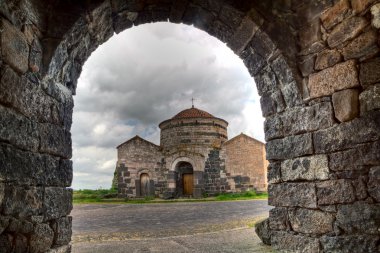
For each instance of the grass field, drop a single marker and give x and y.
(110, 196)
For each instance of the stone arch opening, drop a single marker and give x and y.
(44, 44)
(184, 178)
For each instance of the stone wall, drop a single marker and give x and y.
(193, 134)
(315, 64)
(324, 155)
(35, 139)
(214, 178)
(246, 163)
(135, 157)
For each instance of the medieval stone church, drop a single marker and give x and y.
(195, 158)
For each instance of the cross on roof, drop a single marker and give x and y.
(192, 102)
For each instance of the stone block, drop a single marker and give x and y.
(355, 159)
(123, 20)
(29, 99)
(19, 226)
(62, 230)
(57, 202)
(55, 140)
(369, 72)
(18, 130)
(283, 71)
(6, 243)
(197, 16)
(62, 249)
(4, 222)
(223, 32)
(278, 218)
(242, 35)
(341, 76)
(360, 187)
(2, 194)
(230, 15)
(307, 119)
(327, 58)
(305, 168)
(346, 104)
(360, 5)
(289, 242)
(208, 5)
(335, 192)
(266, 81)
(63, 176)
(263, 231)
(273, 127)
(336, 14)
(313, 49)
(10, 84)
(41, 239)
(374, 183)
(360, 217)
(272, 103)
(306, 64)
(311, 13)
(177, 10)
(375, 12)
(35, 56)
(274, 172)
(292, 195)
(346, 30)
(370, 99)
(289, 147)
(348, 134)
(292, 94)
(14, 47)
(311, 221)
(350, 243)
(310, 34)
(262, 44)
(31, 168)
(133, 5)
(362, 47)
(20, 243)
(100, 24)
(23, 201)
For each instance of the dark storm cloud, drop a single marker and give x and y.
(148, 74)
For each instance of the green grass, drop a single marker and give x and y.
(241, 196)
(94, 196)
(103, 196)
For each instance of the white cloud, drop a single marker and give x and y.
(148, 74)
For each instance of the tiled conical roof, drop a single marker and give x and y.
(193, 113)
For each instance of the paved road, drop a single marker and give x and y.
(172, 227)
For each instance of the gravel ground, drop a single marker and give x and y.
(173, 227)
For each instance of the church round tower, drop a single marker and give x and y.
(193, 130)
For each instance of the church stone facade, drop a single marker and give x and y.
(195, 158)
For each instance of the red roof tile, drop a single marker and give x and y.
(193, 113)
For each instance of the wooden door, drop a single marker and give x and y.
(144, 185)
(187, 184)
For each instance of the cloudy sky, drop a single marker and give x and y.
(148, 74)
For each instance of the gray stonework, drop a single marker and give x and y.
(198, 139)
(299, 52)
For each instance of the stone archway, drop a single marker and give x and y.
(315, 65)
(184, 178)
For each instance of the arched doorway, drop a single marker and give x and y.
(145, 185)
(184, 179)
(253, 29)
